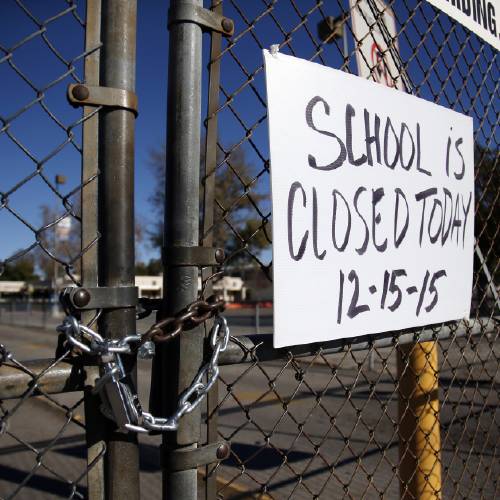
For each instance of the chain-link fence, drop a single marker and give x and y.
(42, 433)
(354, 418)
(341, 422)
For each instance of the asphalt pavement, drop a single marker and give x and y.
(323, 427)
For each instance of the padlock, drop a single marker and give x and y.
(120, 402)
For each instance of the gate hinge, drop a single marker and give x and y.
(193, 256)
(207, 19)
(102, 297)
(192, 458)
(88, 95)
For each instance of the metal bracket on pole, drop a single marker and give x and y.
(192, 458)
(102, 297)
(193, 256)
(207, 19)
(89, 95)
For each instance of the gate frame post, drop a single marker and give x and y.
(116, 221)
(176, 364)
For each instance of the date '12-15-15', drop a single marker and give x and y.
(392, 294)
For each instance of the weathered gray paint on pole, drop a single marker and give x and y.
(177, 364)
(95, 421)
(116, 222)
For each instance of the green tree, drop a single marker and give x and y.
(152, 268)
(240, 209)
(20, 269)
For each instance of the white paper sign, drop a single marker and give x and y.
(480, 16)
(373, 23)
(373, 205)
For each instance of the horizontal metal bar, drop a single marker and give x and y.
(63, 377)
(67, 377)
(247, 349)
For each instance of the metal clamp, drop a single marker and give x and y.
(102, 297)
(88, 95)
(207, 19)
(193, 256)
(192, 458)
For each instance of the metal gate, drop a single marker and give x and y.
(412, 413)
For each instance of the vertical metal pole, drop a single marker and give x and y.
(487, 274)
(371, 360)
(345, 45)
(116, 220)
(419, 430)
(177, 364)
(208, 220)
(55, 295)
(95, 422)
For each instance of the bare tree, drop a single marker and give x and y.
(58, 247)
(240, 224)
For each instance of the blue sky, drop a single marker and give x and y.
(36, 131)
(40, 135)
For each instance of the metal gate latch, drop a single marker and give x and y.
(192, 458)
(101, 297)
(119, 394)
(89, 95)
(193, 256)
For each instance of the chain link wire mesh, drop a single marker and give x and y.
(42, 436)
(327, 425)
(330, 425)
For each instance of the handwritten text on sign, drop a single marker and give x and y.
(373, 205)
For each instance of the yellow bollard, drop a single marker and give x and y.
(419, 431)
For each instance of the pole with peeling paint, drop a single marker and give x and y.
(419, 427)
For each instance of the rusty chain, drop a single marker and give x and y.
(120, 399)
(193, 315)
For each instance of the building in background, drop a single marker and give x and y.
(13, 289)
(150, 287)
(230, 288)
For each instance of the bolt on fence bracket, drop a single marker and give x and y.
(193, 256)
(102, 297)
(192, 458)
(207, 19)
(89, 95)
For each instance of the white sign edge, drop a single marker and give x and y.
(390, 93)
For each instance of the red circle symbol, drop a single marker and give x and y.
(380, 73)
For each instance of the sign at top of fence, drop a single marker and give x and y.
(479, 16)
(373, 205)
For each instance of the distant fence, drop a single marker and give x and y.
(41, 313)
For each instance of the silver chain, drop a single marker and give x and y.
(121, 403)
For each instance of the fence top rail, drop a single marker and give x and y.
(251, 348)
